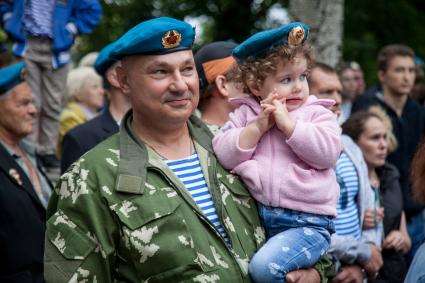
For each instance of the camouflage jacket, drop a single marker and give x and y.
(120, 215)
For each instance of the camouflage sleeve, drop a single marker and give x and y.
(79, 245)
(325, 269)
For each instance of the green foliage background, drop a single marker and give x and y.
(371, 24)
(368, 24)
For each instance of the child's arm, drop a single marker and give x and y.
(236, 141)
(251, 134)
(317, 142)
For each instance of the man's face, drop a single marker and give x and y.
(161, 87)
(399, 77)
(327, 86)
(17, 111)
(349, 84)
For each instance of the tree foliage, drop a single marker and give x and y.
(368, 25)
(226, 19)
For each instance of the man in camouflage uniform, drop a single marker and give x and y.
(120, 214)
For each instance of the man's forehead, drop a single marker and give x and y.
(19, 91)
(175, 58)
(401, 60)
(328, 83)
(22, 90)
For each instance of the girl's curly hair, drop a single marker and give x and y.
(255, 69)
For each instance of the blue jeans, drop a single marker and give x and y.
(295, 240)
(416, 230)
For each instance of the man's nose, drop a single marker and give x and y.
(178, 83)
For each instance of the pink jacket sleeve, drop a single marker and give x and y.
(226, 142)
(318, 141)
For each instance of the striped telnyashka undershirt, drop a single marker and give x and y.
(190, 173)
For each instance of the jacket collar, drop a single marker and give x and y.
(15, 173)
(134, 161)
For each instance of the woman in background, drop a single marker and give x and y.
(84, 96)
(372, 132)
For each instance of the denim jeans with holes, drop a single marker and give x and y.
(294, 240)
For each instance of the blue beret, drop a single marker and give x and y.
(156, 36)
(257, 45)
(103, 60)
(11, 76)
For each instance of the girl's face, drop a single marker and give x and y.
(373, 142)
(290, 80)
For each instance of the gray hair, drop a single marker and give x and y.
(77, 79)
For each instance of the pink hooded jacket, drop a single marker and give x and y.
(295, 172)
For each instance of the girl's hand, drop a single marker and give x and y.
(396, 240)
(371, 219)
(265, 120)
(281, 116)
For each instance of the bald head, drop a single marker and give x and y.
(324, 83)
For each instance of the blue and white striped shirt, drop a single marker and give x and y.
(347, 220)
(38, 17)
(190, 173)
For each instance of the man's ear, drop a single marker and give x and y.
(220, 83)
(112, 77)
(122, 79)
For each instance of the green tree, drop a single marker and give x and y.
(370, 25)
(226, 19)
(118, 16)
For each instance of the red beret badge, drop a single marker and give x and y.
(171, 39)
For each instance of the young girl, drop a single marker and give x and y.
(284, 144)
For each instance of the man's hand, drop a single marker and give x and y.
(310, 275)
(375, 262)
(349, 274)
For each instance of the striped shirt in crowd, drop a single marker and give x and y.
(38, 17)
(347, 220)
(190, 173)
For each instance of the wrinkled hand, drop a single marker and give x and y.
(375, 262)
(370, 219)
(349, 274)
(396, 240)
(303, 275)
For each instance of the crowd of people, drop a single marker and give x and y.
(248, 162)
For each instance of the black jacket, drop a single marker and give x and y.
(395, 268)
(84, 137)
(22, 225)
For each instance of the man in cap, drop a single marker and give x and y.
(215, 66)
(24, 189)
(152, 203)
(84, 137)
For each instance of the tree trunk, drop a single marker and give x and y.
(325, 18)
